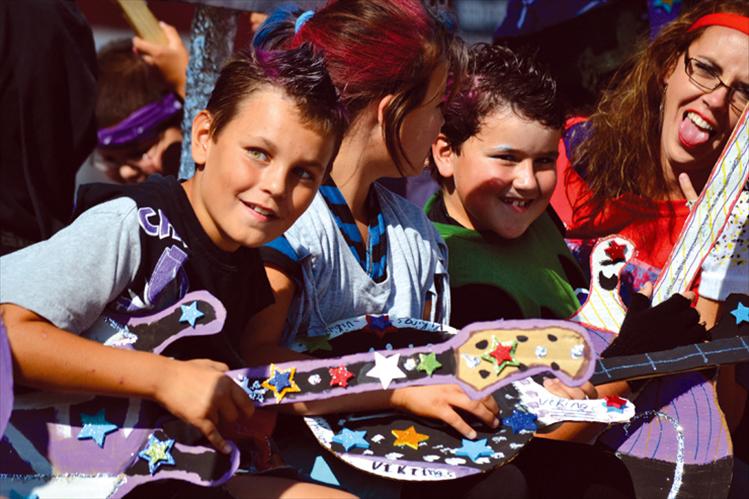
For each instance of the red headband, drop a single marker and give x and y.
(726, 19)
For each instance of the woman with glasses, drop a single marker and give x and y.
(629, 169)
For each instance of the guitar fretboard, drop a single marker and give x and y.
(680, 359)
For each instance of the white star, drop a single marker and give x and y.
(386, 369)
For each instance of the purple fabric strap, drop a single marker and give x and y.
(140, 122)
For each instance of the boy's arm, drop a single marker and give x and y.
(195, 391)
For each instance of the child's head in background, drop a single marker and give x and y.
(496, 154)
(138, 116)
(262, 145)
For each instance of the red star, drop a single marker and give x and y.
(502, 353)
(615, 251)
(339, 376)
(615, 401)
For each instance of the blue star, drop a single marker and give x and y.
(741, 312)
(280, 380)
(157, 453)
(348, 439)
(521, 421)
(474, 449)
(95, 427)
(190, 313)
(255, 391)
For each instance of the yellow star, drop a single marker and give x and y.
(281, 382)
(409, 437)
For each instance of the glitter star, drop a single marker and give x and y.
(315, 343)
(281, 382)
(408, 438)
(520, 421)
(349, 439)
(428, 363)
(741, 312)
(379, 325)
(474, 449)
(190, 313)
(613, 403)
(157, 453)
(386, 369)
(254, 391)
(501, 356)
(339, 376)
(616, 252)
(95, 427)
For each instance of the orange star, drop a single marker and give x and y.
(409, 437)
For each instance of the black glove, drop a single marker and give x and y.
(668, 325)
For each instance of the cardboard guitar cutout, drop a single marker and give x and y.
(79, 445)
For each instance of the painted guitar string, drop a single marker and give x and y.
(654, 363)
(679, 465)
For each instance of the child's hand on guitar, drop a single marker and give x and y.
(440, 402)
(170, 59)
(198, 392)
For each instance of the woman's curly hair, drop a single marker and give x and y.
(622, 149)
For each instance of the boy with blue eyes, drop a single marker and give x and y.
(262, 145)
(495, 160)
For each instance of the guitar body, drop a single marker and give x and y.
(49, 450)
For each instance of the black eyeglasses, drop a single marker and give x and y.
(707, 79)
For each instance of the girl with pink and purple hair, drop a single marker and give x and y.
(360, 249)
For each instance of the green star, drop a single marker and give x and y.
(428, 363)
(314, 343)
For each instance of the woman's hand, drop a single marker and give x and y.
(198, 392)
(170, 59)
(440, 402)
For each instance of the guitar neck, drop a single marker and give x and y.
(677, 360)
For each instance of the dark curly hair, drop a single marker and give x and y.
(497, 78)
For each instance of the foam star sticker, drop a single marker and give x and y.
(616, 252)
(95, 427)
(349, 439)
(613, 403)
(474, 449)
(501, 356)
(315, 343)
(409, 438)
(428, 363)
(281, 382)
(190, 313)
(340, 376)
(379, 325)
(386, 369)
(520, 421)
(741, 312)
(255, 391)
(157, 453)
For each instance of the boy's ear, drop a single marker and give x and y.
(443, 156)
(201, 137)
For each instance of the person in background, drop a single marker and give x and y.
(48, 92)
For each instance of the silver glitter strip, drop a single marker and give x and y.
(211, 43)
(679, 469)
